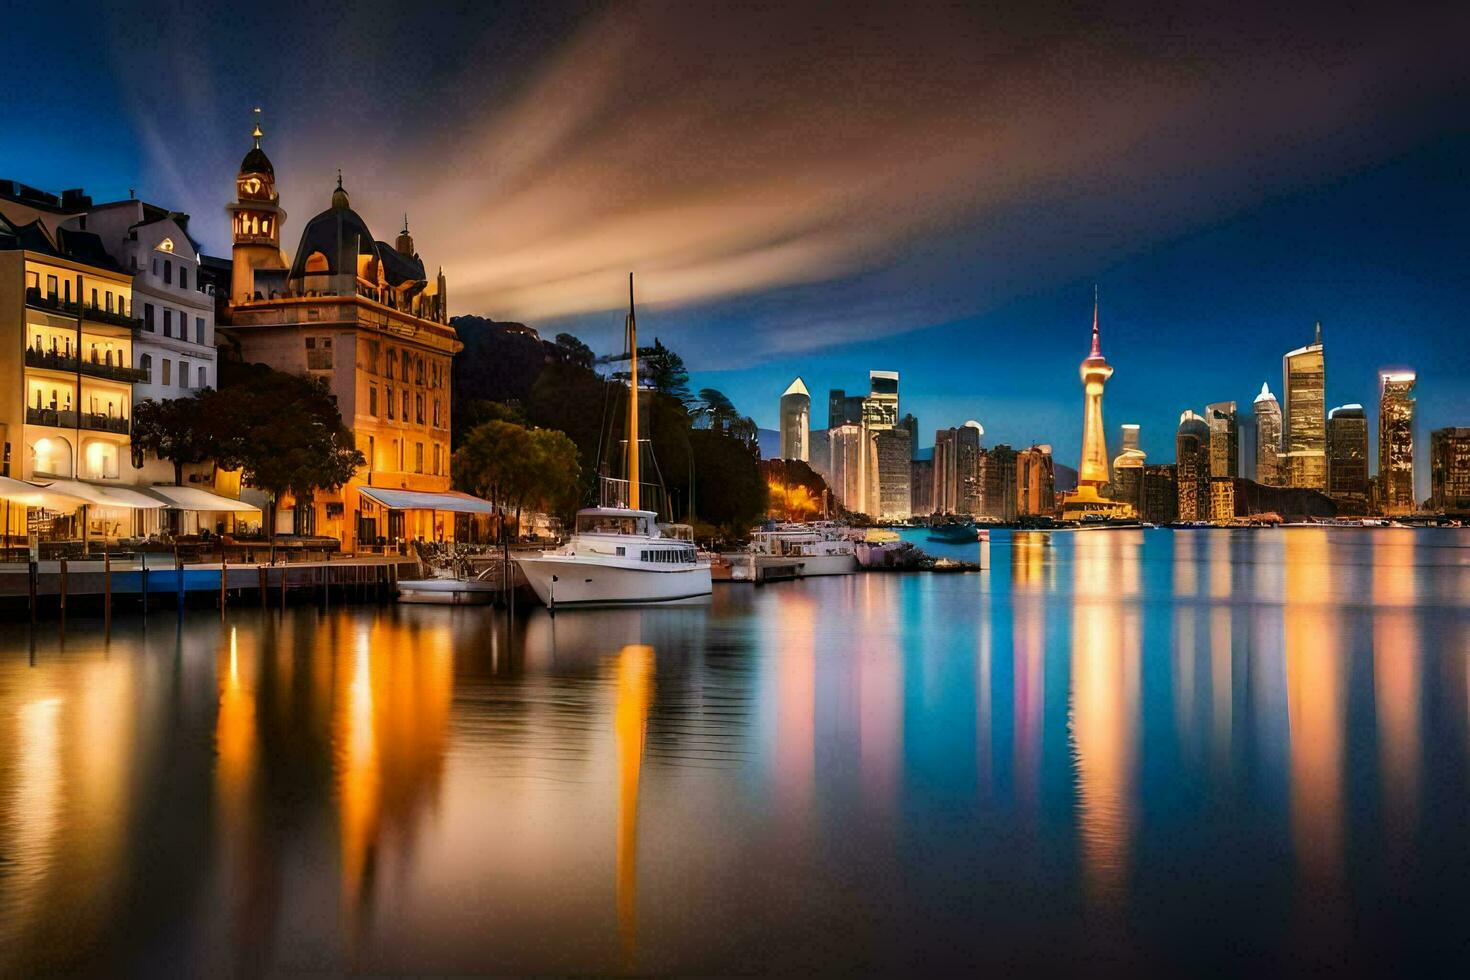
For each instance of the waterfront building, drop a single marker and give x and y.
(1035, 481)
(1092, 471)
(1304, 416)
(1222, 499)
(895, 455)
(1347, 458)
(1268, 437)
(1396, 442)
(1449, 471)
(1224, 439)
(1159, 494)
(364, 317)
(796, 411)
(921, 486)
(998, 483)
(957, 469)
(66, 375)
(1128, 469)
(849, 465)
(1192, 467)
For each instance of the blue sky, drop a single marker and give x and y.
(929, 189)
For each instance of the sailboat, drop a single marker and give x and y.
(620, 555)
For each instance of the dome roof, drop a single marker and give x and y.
(340, 235)
(256, 162)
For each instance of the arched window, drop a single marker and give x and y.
(145, 364)
(316, 262)
(51, 456)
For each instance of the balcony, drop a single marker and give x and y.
(68, 419)
(58, 361)
(54, 304)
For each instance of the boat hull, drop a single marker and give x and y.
(566, 580)
(817, 565)
(447, 592)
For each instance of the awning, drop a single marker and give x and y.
(194, 499)
(454, 501)
(30, 495)
(99, 495)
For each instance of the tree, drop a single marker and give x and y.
(285, 433)
(515, 467)
(665, 371)
(731, 492)
(177, 430)
(574, 352)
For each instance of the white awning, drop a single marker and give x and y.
(194, 499)
(99, 495)
(454, 501)
(30, 495)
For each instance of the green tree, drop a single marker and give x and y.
(665, 371)
(575, 352)
(285, 433)
(177, 430)
(515, 467)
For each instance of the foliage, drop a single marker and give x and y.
(713, 410)
(665, 371)
(575, 352)
(177, 430)
(472, 414)
(283, 431)
(516, 467)
(729, 489)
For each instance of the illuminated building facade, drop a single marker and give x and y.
(66, 339)
(1396, 442)
(849, 466)
(796, 414)
(1304, 416)
(1159, 494)
(1222, 499)
(895, 458)
(1347, 458)
(1449, 470)
(1128, 469)
(998, 483)
(1224, 439)
(1035, 481)
(1268, 437)
(1192, 467)
(363, 316)
(957, 469)
(921, 486)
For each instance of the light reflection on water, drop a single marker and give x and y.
(1206, 749)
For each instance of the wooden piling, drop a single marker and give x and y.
(106, 589)
(178, 581)
(223, 582)
(63, 593)
(263, 580)
(284, 569)
(33, 573)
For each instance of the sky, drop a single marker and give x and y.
(823, 189)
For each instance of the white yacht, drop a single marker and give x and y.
(619, 556)
(814, 549)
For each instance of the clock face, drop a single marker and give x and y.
(251, 186)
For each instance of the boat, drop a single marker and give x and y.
(479, 590)
(621, 556)
(802, 551)
(960, 532)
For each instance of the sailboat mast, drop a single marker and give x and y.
(632, 400)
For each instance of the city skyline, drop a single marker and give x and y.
(1333, 207)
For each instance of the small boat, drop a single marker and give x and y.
(810, 550)
(479, 590)
(962, 532)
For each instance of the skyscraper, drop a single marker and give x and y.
(796, 412)
(848, 466)
(1128, 469)
(997, 483)
(1159, 495)
(895, 454)
(956, 469)
(1224, 439)
(1347, 458)
(1192, 467)
(1092, 473)
(1396, 441)
(1268, 437)
(1304, 416)
(1035, 481)
(1449, 470)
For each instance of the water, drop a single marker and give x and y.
(1197, 751)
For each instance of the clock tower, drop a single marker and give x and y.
(255, 221)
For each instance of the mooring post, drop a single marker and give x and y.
(223, 582)
(106, 589)
(285, 567)
(261, 586)
(178, 581)
(143, 577)
(31, 576)
(63, 593)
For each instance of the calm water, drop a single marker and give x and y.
(1207, 750)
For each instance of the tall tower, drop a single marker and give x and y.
(1304, 416)
(1396, 441)
(796, 410)
(1268, 437)
(1095, 370)
(255, 220)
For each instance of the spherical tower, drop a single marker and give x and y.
(255, 220)
(1095, 371)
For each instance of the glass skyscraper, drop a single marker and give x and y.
(1347, 458)
(796, 413)
(1268, 437)
(1304, 416)
(1396, 441)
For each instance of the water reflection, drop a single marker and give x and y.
(1128, 748)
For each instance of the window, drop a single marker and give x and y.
(167, 373)
(391, 358)
(52, 285)
(437, 452)
(148, 317)
(168, 322)
(109, 299)
(418, 457)
(145, 364)
(33, 281)
(437, 423)
(155, 265)
(390, 401)
(66, 290)
(373, 400)
(95, 305)
(406, 416)
(199, 330)
(372, 453)
(183, 277)
(418, 409)
(168, 272)
(183, 374)
(203, 377)
(318, 353)
(419, 371)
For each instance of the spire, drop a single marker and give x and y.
(405, 222)
(257, 133)
(1265, 395)
(339, 196)
(1096, 343)
(1318, 341)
